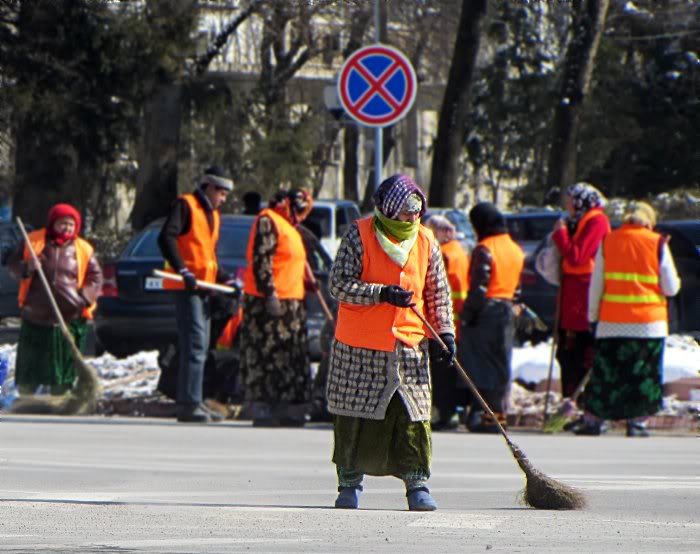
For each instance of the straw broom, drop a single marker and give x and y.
(83, 399)
(541, 492)
(556, 422)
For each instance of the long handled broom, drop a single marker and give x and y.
(552, 352)
(556, 422)
(83, 398)
(540, 491)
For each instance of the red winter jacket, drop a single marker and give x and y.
(574, 287)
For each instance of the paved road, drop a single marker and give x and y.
(127, 485)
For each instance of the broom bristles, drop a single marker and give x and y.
(555, 424)
(543, 492)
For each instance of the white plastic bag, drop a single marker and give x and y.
(548, 262)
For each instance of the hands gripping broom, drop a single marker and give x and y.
(540, 491)
(84, 398)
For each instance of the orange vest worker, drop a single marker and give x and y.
(508, 261)
(586, 268)
(377, 327)
(631, 290)
(457, 266)
(197, 246)
(288, 261)
(83, 251)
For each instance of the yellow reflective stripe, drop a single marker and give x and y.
(633, 298)
(456, 295)
(617, 276)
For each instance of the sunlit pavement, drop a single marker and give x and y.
(139, 485)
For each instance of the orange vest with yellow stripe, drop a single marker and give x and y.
(288, 260)
(379, 326)
(508, 260)
(586, 268)
(83, 252)
(631, 292)
(457, 266)
(197, 246)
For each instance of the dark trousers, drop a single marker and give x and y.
(575, 351)
(193, 328)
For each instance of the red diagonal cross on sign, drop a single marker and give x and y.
(376, 85)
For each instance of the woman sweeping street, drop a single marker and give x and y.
(379, 377)
(43, 356)
(274, 344)
(634, 273)
(577, 237)
(486, 338)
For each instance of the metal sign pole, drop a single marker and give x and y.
(378, 134)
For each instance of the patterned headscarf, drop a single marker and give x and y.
(294, 205)
(394, 192)
(585, 197)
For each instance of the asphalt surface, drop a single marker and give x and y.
(129, 485)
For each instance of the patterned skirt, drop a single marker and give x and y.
(626, 378)
(44, 357)
(275, 353)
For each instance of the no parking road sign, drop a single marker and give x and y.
(377, 85)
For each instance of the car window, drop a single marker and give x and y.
(539, 228)
(680, 246)
(341, 221)
(320, 218)
(233, 241)
(144, 245)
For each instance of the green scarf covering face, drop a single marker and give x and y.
(405, 232)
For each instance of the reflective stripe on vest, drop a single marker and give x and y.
(587, 267)
(457, 266)
(508, 260)
(288, 260)
(83, 253)
(631, 291)
(197, 246)
(379, 326)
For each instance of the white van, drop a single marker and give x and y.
(332, 218)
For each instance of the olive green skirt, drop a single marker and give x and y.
(394, 445)
(44, 357)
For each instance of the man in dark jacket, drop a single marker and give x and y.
(188, 243)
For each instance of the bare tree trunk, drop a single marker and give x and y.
(449, 143)
(587, 27)
(156, 182)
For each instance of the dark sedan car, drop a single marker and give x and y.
(529, 228)
(135, 313)
(684, 308)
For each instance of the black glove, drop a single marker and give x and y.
(448, 356)
(396, 296)
(188, 279)
(273, 306)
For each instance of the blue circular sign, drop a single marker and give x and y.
(377, 85)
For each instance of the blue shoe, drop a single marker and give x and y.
(348, 498)
(419, 500)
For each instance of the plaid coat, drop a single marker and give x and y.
(361, 382)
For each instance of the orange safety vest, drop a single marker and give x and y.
(379, 326)
(587, 267)
(197, 246)
(228, 334)
(288, 261)
(457, 262)
(508, 260)
(631, 290)
(83, 252)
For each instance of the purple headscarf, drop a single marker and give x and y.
(393, 192)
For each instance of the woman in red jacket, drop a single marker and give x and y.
(577, 237)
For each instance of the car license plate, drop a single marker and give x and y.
(153, 283)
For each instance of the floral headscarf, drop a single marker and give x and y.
(585, 197)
